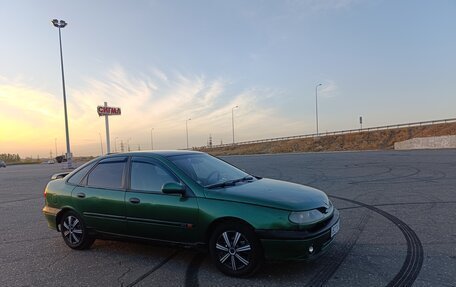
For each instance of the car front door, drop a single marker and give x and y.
(100, 197)
(154, 214)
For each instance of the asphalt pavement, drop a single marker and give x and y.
(398, 228)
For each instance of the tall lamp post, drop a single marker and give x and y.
(55, 142)
(232, 119)
(101, 144)
(152, 138)
(316, 104)
(115, 144)
(128, 144)
(186, 129)
(61, 24)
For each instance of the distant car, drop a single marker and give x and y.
(193, 199)
(2, 163)
(51, 161)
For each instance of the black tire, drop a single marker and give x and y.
(241, 260)
(74, 231)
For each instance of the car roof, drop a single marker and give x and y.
(164, 153)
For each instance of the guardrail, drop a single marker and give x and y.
(424, 123)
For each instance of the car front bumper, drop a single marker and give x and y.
(297, 245)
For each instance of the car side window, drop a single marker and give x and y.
(148, 176)
(79, 174)
(107, 174)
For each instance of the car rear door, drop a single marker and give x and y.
(153, 214)
(101, 196)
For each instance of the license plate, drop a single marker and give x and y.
(335, 229)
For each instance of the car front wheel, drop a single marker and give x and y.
(235, 250)
(74, 232)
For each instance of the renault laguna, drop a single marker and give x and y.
(193, 199)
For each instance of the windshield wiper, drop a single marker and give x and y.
(230, 182)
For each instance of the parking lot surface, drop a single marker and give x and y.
(398, 228)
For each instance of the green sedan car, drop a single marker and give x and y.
(194, 199)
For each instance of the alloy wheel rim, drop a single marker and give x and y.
(72, 230)
(233, 250)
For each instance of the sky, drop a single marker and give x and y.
(164, 62)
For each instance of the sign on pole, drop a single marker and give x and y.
(108, 111)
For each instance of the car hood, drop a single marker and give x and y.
(272, 193)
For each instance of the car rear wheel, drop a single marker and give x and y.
(74, 232)
(235, 250)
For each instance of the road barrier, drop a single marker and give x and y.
(342, 132)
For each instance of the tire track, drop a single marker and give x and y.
(333, 262)
(400, 204)
(19, 200)
(415, 255)
(382, 180)
(191, 274)
(155, 268)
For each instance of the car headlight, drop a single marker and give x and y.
(306, 217)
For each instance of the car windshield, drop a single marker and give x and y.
(209, 171)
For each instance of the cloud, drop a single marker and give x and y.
(158, 100)
(164, 102)
(29, 118)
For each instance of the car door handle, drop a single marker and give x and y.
(135, 200)
(81, 194)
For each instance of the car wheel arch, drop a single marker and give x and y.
(59, 215)
(228, 219)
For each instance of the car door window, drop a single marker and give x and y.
(148, 176)
(107, 174)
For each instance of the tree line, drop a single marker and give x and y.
(7, 157)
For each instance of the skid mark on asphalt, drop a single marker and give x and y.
(331, 264)
(191, 274)
(155, 268)
(390, 180)
(19, 200)
(415, 255)
(400, 204)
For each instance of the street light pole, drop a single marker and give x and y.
(232, 119)
(316, 104)
(128, 144)
(61, 24)
(151, 139)
(101, 144)
(55, 142)
(186, 129)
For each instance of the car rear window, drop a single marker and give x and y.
(79, 174)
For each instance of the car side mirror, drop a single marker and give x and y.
(173, 188)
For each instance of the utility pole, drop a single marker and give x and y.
(232, 119)
(316, 104)
(101, 143)
(152, 138)
(186, 129)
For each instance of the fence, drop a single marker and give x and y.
(342, 132)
